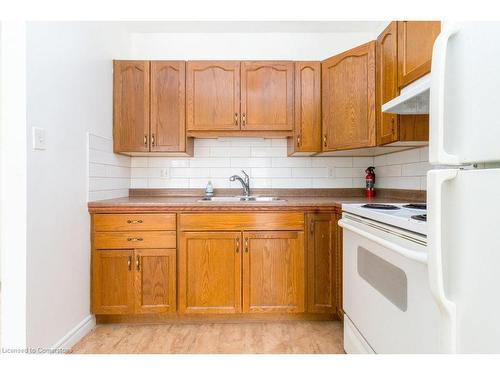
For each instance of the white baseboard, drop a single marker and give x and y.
(76, 334)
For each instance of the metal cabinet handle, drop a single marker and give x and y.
(237, 245)
(236, 118)
(134, 221)
(298, 140)
(145, 140)
(129, 263)
(324, 140)
(135, 239)
(243, 119)
(138, 263)
(152, 140)
(246, 245)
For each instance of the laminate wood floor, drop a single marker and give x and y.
(221, 338)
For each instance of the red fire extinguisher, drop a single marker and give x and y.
(370, 182)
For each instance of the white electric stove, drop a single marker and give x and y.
(409, 216)
(387, 300)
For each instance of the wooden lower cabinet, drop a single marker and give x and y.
(112, 282)
(273, 271)
(133, 281)
(324, 264)
(155, 286)
(210, 272)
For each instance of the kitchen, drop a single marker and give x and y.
(279, 187)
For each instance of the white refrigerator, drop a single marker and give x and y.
(463, 190)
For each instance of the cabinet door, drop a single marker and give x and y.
(348, 82)
(168, 100)
(112, 282)
(210, 272)
(267, 95)
(307, 129)
(130, 106)
(415, 42)
(155, 280)
(321, 262)
(387, 83)
(273, 271)
(213, 95)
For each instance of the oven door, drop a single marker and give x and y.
(385, 287)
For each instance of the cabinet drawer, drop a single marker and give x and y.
(126, 222)
(242, 221)
(135, 240)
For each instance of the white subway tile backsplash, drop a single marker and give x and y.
(250, 162)
(310, 172)
(108, 173)
(271, 172)
(265, 160)
(263, 152)
(323, 161)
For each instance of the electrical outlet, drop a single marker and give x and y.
(331, 172)
(164, 172)
(39, 141)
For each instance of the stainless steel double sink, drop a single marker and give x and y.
(242, 198)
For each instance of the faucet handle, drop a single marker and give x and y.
(247, 178)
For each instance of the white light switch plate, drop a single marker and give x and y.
(39, 141)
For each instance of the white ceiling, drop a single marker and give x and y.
(255, 26)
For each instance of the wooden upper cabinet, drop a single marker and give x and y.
(307, 125)
(273, 271)
(321, 267)
(348, 86)
(155, 282)
(213, 95)
(387, 83)
(130, 106)
(112, 282)
(168, 99)
(267, 95)
(415, 42)
(210, 272)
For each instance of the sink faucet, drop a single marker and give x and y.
(245, 182)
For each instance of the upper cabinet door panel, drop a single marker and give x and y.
(267, 95)
(168, 98)
(307, 132)
(387, 83)
(213, 95)
(131, 106)
(415, 42)
(348, 82)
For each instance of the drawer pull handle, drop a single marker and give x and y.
(237, 245)
(246, 245)
(129, 263)
(135, 239)
(138, 264)
(134, 221)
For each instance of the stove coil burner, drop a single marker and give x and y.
(420, 217)
(418, 206)
(379, 206)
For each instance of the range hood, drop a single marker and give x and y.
(413, 100)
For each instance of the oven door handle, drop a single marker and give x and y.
(410, 254)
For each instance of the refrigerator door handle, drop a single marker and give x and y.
(437, 151)
(436, 180)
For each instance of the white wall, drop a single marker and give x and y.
(69, 81)
(243, 46)
(13, 184)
